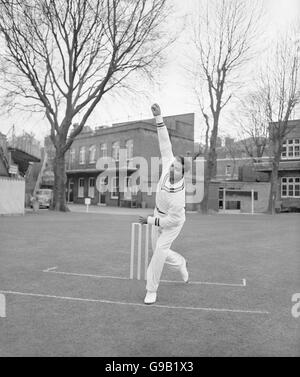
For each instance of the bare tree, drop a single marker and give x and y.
(253, 126)
(63, 56)
(224, 33)
(280, 92)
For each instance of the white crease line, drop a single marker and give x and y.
(50, 269)
(135, 304)
(86, 275)
(204, 283)
(162, 281)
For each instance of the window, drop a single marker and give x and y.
(128, 181)
(81, 188)
(91, 188)
(92, 151)
(82, 156)
(228, 171)
(129, 187)
(116, 150)
(297, 187)
(291, 149)
(114, 188)
(103, 150)
(72, 155)
(129, 149)
(290, 187)
(102, 186)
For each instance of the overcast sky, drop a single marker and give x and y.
(172, 89)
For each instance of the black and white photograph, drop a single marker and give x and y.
(149, 181)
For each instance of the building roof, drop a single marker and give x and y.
(22, 159)
(20, 155)
(283, 166)
(292, 123)
(146, 124)
(95, 170)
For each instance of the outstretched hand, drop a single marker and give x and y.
(156, 109)
(143, 220)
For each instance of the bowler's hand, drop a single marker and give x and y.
(155, 110)
(143, 220)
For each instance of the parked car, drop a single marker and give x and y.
(44, 197)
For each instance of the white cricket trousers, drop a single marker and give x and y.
(162, 239)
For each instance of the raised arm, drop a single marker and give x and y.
(163, 135)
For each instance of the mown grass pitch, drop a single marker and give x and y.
(109, 318)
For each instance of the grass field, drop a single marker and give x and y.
(108, 317)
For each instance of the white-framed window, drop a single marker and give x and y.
(114, 188)
(290, 187)
(116, 150)
(129, 150)
(81, 188)
(82, 156)
(91, 193)
(128, 182)
(92, 154)
(103, 150)
(127, 187)
(291, 149)
(130, 187)
(103, 185)
(72, 156)
(228, 170)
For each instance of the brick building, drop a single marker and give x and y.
(240, 179)
(244, 191)
(288, 193)
(138, 139)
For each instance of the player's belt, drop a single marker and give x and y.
(159, 211)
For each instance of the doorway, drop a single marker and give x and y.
(71, 191)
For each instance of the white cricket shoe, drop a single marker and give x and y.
(184, 272)
(150, 298)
